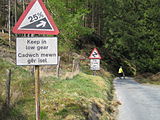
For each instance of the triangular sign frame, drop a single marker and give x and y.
(31, 27)
(98, 56)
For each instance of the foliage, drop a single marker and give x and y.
(3, 10)
(69, 19)
(123, 30)
(132, 32)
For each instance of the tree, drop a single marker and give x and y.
(68, 15)
(131, 30)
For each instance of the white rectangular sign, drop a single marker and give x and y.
(95, 64)
(36, 51)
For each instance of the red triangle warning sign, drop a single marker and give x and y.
(36, 20)
(95, 54)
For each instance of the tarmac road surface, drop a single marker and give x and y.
(139, 101)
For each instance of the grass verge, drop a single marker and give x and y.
(22, 90)
(149, 78)
(83, 97)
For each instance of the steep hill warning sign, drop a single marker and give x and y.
(36, 20)
(36, 51)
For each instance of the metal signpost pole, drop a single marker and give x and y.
(37, 92)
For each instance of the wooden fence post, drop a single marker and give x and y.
(58, 67)
(73, 65)
(8, 84)
(78, 65)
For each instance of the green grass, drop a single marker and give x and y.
(71, 98)
(82, 85)
(61, 99)
(22, 91)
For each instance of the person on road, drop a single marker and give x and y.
(121, 73)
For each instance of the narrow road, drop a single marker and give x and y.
(139, 102)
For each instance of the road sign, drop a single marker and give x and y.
(36, 20)
(95, 64)
(36, 51)
(95, 54)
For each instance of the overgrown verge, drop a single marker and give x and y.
(22, 92)
(149, 78)
(84, 97)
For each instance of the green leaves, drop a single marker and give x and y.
(69, 18)
(134, 28)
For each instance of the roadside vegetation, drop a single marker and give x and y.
(126, 33)
(72, 96)
(22, 90)
(148, 78)
(82, 97)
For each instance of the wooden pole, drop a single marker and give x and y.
(58, 67)
(37, 92)
(9, 22)
(8, 84)
(73, 65)
(77, 65)
(94, 73)
(15, 13)
(23, 5)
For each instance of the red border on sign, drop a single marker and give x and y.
(95, 49)
(51, 32)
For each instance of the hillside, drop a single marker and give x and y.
(126, 33)
(73, 96)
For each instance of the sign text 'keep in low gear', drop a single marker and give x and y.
(36, 51)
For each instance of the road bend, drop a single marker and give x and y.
(139, 101)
